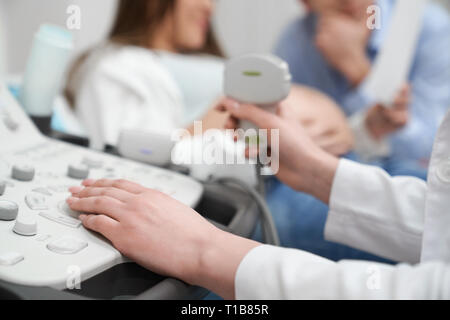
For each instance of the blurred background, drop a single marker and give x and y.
(261, 20)
(241, 25)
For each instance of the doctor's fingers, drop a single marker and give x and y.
(115, 193)
(119, 184)
(102, 224)
(102, 205)
(252, 113)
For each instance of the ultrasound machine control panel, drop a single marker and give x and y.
(41, 238)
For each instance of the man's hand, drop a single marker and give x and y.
(382, 121)
(304, 166)
(160, 233)
(342, 40)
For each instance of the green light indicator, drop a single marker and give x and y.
(252, 73)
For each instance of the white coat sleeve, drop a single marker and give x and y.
(268, 272)
(372, 211)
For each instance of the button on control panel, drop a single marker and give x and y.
(23, 173)
(2, 187)
(26, 226)
(67, 245)
(40, 236)
(92, 163)
(35, 201)
(64, 220)
(10, 258)
(43, 191)
(10, 123)
(80, 171)
(8, 210)
(65, 209)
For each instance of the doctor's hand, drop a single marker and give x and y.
(382, 121)
(303, 165)
(160, 233)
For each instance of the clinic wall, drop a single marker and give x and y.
(21, 18)
(2, 41)
(252, 25)
(242, 25)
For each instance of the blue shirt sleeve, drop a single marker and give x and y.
(430, 82)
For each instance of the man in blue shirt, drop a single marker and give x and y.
(332, 49)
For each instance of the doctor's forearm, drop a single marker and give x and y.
(318, 174)
(219, 261)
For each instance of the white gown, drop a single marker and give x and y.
(128, 87)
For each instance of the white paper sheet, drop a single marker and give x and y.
(392, 66)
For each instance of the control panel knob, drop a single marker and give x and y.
(23, 173)
(8, 210)
(10, 123)
(80, 171)
(2, 187)
(26, 226)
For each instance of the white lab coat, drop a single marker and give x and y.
(401, 218)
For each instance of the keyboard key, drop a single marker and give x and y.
(35, 202)
(64, 220)
(23, 173)
(65, 209)
(43, 191)
(10, 258)
(67, 245)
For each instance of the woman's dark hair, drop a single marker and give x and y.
(135, 24)
(138, 20)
